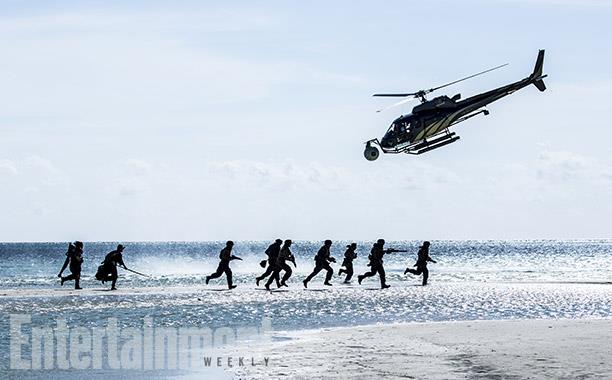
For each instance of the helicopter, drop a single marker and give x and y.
(427, 127)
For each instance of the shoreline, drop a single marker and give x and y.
(522, 348)
(67, 291)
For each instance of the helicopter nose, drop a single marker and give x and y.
(386, 141)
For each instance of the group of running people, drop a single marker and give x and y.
(279, 254)
(107, 271)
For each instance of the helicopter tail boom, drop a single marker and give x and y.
(537, 76)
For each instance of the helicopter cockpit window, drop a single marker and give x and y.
(400, 129)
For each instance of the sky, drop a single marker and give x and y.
(195, 120)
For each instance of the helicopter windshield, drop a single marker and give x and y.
(396, 134)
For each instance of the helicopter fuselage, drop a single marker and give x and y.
(434, 116)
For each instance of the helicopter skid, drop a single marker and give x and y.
(438, 140)
(440, 143)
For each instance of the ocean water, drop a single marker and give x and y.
(35, 265)
(472, 280)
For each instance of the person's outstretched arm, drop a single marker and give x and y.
(394, 250)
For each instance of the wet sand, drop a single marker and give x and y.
(519, 349)
(69, 291)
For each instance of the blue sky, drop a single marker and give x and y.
(246, 120)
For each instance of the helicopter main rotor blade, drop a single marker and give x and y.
(421, 94)
(397, 104)
(396, 95)
(468, 77)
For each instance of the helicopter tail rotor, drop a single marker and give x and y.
(537, 72)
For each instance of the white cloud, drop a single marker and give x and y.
(44, 169)
(289, 175)
(282, 176)
(129, 187)
(7, 167)
(563, 166)
(138, 167)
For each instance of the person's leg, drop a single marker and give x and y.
(315, 272)
(425, 275)
(288, 273)
(220, 270)
(70, 277)
(330, 273)
(268, 272)
(228, 273)
(416, 272)
(371, 273)
(277, 279)
(113, 277)
(275, 276)
(383, 278)
(349, 272)
(77, 281)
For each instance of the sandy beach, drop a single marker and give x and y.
(519, 349)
